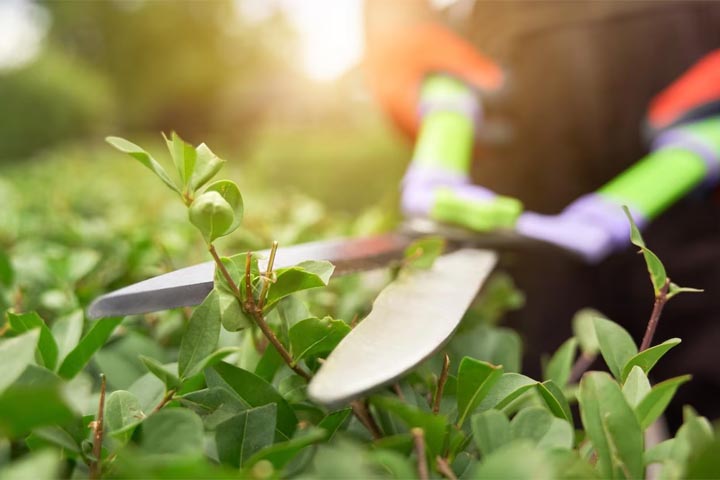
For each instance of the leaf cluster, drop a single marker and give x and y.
(219, 400)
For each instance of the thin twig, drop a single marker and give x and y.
(97, 427)
(255, 312)
(398, 391)
(583, 362)
(363, 414)
(660, 301)
(268, 272)
(169, 395)
(354, 321)
(226, 275)
(444, 468)
(18, 300)
(441, 384)
(419, 440)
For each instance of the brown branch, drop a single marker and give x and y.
(441, 384)
(660, 301)
(169, 395)
(398, 391)
(583, 362)
(226, 275)
(419, 440)
(256, 313)
(444, 468)
(362, 413)
(18, 300)
(97, 428)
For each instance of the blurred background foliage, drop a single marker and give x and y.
(136, 68)
(314, 158)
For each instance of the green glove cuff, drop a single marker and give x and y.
(479, 215)
(449, 111)
(686, 156)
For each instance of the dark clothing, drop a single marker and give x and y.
(581, 77)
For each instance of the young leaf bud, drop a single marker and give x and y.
(212, 215)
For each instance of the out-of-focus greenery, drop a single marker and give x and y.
(55, 98)
(198, 68)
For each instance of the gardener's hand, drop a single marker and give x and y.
(404, 45)
(593, 226)
(451, 197)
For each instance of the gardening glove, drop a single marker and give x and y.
(429, 79)
(684, 124)
(437, 183)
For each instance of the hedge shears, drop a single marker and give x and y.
(437, 193)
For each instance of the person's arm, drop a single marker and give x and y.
(428, 79)
(684, 122)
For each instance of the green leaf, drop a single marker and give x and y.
(636, 386)
(509, 387)
(658, 276)
(583, 325)
(422, 252)
(207, 165)
(165, 375)
(316, 336)
(555, 399)
(304, 275)
(212, 215)
(542, 428)
(215, 405)
(15, 355)
(24, 408)
(243, 435)
(559, 367)
(616, 345)
(211, 360)
(230, 192)
(475, 379)
(176, 431)
(280, 454)
(611, 426)
(67, 331)
(649, 357)
(149, 390)
(232, 317)
(7, 274)
(432, 425)
(90, 343)
(183, 155)
(656, 401)
(491, 430)
(48, 349)
(143, 157)
(705, 463)
(516, 460)
(691, 441)
(269, 364)
(254, 391)
(40, 465)
(334, 421)
(674, 289)
(122, 414)
(496, 345)
(201, 336)
(659, 453)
